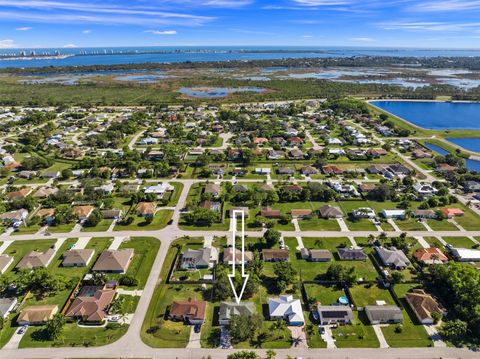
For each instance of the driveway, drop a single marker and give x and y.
(194, 341)
(14, 340)
(381, 338)
(299, 337)
(327, 336)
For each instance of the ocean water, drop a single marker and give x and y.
(435, 115)
(129, 55)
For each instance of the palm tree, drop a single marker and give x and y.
(434, 257)
(278, 326)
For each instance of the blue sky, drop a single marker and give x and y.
(368, 23)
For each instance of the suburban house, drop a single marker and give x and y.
(330, 212)
(393, 213)
(159, 190)
(36, 259)
(77, 257)
(383, 314)
(286, 308)
(286, 171)
(245, 211)
(452, 212)
(15, 218)
(270, 213)
(228, 256)
(430, 255)
(424, 213)
(91, 304)
(83, 212)
(21, 193)
(275, 255)
(301, 213)
(424, 305)
(114, 261)
(189, 311)
(472, 186)
(45, 192)
(114, 214)
(6, 306)
(308, 171)
(37, 314)
(5, 262)
(425, 190)
(392, 257)
(212, 189)
(228, 309)
(198, 258)
(146, 209)
(364, 213)
(46, 214)
(465, 254)
(351, 254)
(334, 314)
(320, 255)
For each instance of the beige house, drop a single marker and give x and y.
(114, 261)
(36, 259)
(37, 314)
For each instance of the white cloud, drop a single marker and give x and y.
(7, 44)
(70, 46)
(95, 12)
(448, 5)
(429, 26)
(227, 3)
(362, 39)
(25, 28)
(86, 31)
(166, 32)
(307, 36)
(322, 2)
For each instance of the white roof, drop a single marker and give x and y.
(286, 306)
(159, 188)
(466, 253)
(394, 212)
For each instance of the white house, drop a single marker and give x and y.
(425, 189)
(159, 189)
(263, 171)
(393, 213)
(286, 308)
(364, 213)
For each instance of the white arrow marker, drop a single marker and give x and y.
(231, 277)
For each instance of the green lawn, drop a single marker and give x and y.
(314, 270)
(357, 335)
(27, 230)
(326, 295)
(103, 226)
(159, 303)
(178, 189)
(441, 225)
(367, 294)
(145, 249)
(412, 336)
(19, 249)
(160, 221)
(460, 242)
(61, 228)
(319, 224)
(409, 224)
(73, 336)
